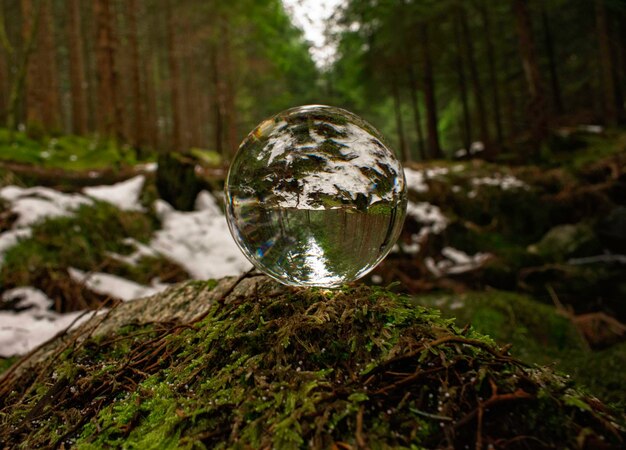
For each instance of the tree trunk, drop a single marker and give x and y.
(481, 113)
(537, 105)
(619, 51)
(606, 65)
(137, 133)
(417, 116)
(399, 125)
(46, 59)
(33, 85)
(622, 48)
(108, 120)
(172, 59)
(216, 99)
(554, 79)
(4, 79)
(434, 149)
(19, 66)
(229, 93)
(466, 135)
(77, 68)
(493, 73)
(150, 118)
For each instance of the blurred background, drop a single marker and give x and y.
(118, 119)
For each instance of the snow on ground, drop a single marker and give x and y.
(455, 262)
(118, 287)
(416, 179)
(35, 204)
(141, 250)
(33, 323)
(430, 216)
(199, 240)
(124, 195)
(147, 167)
(504, 182)
(38, 203)
(10, 238)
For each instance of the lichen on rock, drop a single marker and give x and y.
(249, 363)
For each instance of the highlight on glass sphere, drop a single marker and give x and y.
(315, 197)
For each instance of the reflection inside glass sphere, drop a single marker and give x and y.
(315, 197)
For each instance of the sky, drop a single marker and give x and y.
(311, 16)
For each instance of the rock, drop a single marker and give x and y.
(249, 363)
(176, 180)
(612, 230)
(564, 241)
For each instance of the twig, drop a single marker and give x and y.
(359, 428)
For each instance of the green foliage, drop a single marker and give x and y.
(64, 152)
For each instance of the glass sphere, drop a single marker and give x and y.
(315, 197)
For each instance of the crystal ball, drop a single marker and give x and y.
(315, 197)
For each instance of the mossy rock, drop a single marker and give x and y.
(248, 363)
(567, 240)
(538, 334)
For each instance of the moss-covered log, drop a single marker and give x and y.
(248, 363)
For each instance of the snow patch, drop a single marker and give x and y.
(430, 216)
(455, 262)
(10, 238)
(125, 195)
(504, 182)
(35, 204)
(199, 240)
(118, 287)
(147, 167)
(416, 179)
(141, 250)
(33, 324)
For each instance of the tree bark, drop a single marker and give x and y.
(554, 78)
(466, 135)
(479, 99)
(606, 65)
(77, 68)
(137, 132)
(537, 105)
(33, 93)
(172, 59)
(19, 65)
(150, 119)
(417, 116)
(398, 114)
(217, 102)
(229, 92)
(47, 61)
(493, 73)
(108, 118)
(4, 77)
(619, 51)
(434, 149)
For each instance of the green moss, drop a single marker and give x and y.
(5, 363)
(294, 369)
(64, 152)
(538, 334)
(592, 149)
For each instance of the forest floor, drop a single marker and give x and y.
(532, 255)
